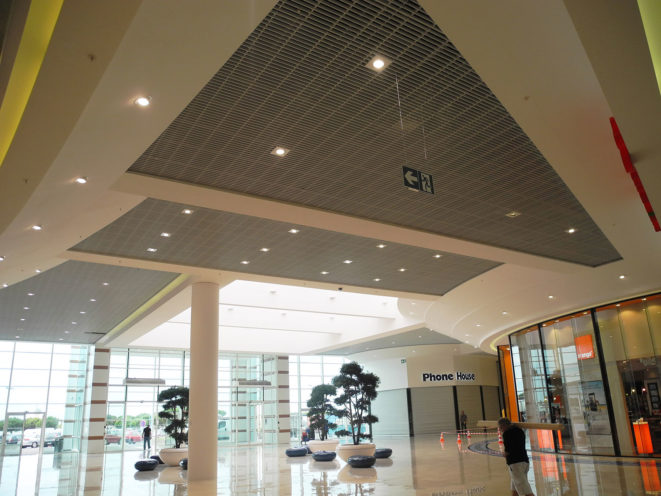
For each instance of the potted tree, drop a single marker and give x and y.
(358, 390)
(175, 412)
(320, 409)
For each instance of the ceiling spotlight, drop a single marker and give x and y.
(378, 63)
(381, 245)
(279, 151)
(37, 227)
(142, 101)
(376, 279)
(66, 332)
(165, 235)
(2, 259)
(264, 249)
(23, 319)
(37, 271)
(293, 231)
(585, 313)
(92, 299)
(18, 337)
(512, 214)
(81, 180)
(60, 339)
(26, 308)
(82, 312)
(187, 211)
(245, 262)
(4, 284)
(438, 255)
(348, 261)
(30, 294)
(74, 323)
(152, 250)
(324, 272)
(617, 304)
(571, 230)
(503, 313)
(551, 297)
(105, 283)
(622, 276)
(402, 269)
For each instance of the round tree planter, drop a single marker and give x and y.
(344, 451)
(172, 456)
(327, 445)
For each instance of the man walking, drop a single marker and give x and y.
(516, 457)
(146, 438)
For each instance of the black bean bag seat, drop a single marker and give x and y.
(300, 451)
(360, 461)
(383, 453)
(183, 463)
(157, 458)
(324, 456)
(144, 465)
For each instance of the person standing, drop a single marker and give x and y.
(463, 420)
(516, 457)
(146, 438)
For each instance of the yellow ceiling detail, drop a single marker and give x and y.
(36, 36)
(650, 12)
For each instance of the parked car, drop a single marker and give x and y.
(31, 438)
(133, 437)
(13, 437)
(112, 438)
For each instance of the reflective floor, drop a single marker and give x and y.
(418, 466)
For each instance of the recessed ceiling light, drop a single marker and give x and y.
(152, 250)
(551, 297)
(38, 271)
(617, 304)
(142, 101)
(245, 262)
(571, 230)
(503, 313)
(37, 227)
(2, 259)
(293, 231)
(187, 211)
(30, 294)
(60, 339)
(512, 214)
(378, 63)
(348, 261)
(105, 283)
(585, 313)
(18, 337)
(66, 332)
(622, 276)
(165, 235)
(26, 308)
(438, 255)
(23, 319)
(478, 325)
(92, 299)
(644, 299)
(420, 336)
(402, 269)
(324, 272)
(381, 245)
(81, 180)
(264, 249)
(82, 312)
(377, 279)
(4, 285)
(279, 151)
(75, 323)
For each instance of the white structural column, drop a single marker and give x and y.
(203, 420)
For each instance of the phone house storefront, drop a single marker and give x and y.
(597, 371)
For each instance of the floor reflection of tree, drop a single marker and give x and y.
(358, 490)
(322, 485)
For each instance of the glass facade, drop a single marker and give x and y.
(246, 413)
(597, 372)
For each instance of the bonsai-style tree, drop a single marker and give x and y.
(175, 410)
(358, 391)
(320, 408)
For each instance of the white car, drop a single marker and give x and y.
(31, 438)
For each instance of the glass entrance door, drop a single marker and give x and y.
(22, 436)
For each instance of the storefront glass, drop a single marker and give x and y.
(631, 339)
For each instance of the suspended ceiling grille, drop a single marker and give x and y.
(63, 292)
(221, 240)
(300, 81)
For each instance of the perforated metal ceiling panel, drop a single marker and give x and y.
(221, 240)
(417, 337)
(57, 303)
(300, 81)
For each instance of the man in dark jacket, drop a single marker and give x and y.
(516, 457)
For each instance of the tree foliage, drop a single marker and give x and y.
(358, 390)
(320, 408)
(175, 410)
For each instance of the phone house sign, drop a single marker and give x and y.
(452, 376)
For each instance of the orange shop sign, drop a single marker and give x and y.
(584, 348)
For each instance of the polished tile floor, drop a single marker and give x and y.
(419, 466)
